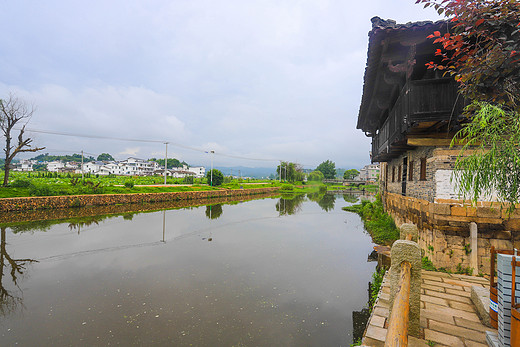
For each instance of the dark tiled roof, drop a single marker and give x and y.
(382, 30)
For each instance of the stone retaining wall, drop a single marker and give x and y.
(444, 234)
(8, 218)
(67, 201)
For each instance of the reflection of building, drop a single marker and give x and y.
(369, 172)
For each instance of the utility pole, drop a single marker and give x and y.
(211, 172)
(82, 172)
(165, 162)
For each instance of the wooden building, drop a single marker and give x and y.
(412, 113)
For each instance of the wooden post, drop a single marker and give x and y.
(515, 308)
(397, 334)
(408, 253)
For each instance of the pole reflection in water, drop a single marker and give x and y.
(163, 225)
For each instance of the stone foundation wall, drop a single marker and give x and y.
(67, 201)
(444, 234)
(7, 218)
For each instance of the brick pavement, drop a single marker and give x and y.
(448, 316)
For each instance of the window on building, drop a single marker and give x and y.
(399, 174)
(410, 171)
(423, 169)
(393, 173)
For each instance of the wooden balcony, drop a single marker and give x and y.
(424, 102)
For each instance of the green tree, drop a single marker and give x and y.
(328, 168)
(290, 171)
(217, 177)
(105, 157)
(172, 162)
(14, 112)
(350, 174)
(315, 176)
(74, 157)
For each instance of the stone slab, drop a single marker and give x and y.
(480, 298)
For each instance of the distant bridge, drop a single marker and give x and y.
(345, 182)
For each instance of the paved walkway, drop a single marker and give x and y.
(448, 317)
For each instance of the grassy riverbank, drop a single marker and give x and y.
(378, 223)
(59, 184)
(26, 184)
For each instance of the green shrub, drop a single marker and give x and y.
(287, 187)
(129, 184)
(322, 189)
(42, 190)
(188, 180)
(378, 223)
(20, 183)
(375, 285)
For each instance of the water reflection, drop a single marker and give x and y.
(214, 211)
(351, 198)
(327, 202)
(10, 299)
(290, 204)
(263, 281)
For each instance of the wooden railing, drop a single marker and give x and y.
(397, 334)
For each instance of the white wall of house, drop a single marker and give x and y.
(199, 171)
(55, 166)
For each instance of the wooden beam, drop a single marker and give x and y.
(441, 135)
(425, 141)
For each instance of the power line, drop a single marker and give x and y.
(151, 141)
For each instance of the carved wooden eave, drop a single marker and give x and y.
(393, 54)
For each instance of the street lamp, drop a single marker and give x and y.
(165, 162)
(211, 172)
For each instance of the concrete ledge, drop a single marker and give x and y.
(480, 298)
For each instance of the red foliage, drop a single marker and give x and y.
(482, 48)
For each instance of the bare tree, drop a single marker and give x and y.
(13, 112)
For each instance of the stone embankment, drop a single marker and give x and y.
(444, 232)
(68, 201)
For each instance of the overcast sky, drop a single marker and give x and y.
(277, 80)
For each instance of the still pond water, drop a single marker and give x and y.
(268, 272)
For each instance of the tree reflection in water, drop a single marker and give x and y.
(213, 211)
(290, 204)
(16, 268)
(325, 201)
(350, 198)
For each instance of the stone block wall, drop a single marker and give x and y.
(67, 201)
(444, 234)
(422, 189)
(7, 218)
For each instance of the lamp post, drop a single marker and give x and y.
(165, 162)
(211, 172)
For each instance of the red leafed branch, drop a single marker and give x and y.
(481, 49)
